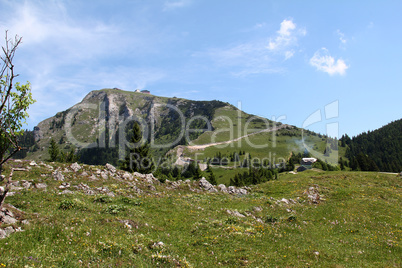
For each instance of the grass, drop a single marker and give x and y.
(357, 224)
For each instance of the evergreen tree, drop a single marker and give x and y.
(54, 151)
(211, 178)
(197, 171)
(139, 158)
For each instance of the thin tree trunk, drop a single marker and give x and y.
(6, 188)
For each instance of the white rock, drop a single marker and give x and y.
(111, 168)
(58, 176)
(75, 167)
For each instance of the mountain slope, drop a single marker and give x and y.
(97, 127)
(380, 149)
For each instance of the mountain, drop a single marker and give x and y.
(380, 149)
(182, 129)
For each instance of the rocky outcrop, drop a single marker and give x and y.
(206, 185)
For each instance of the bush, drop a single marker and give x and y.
(270, 219)
(131, 201)
(67, 204)
(114, 209)
(103, 199)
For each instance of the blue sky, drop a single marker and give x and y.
(280, 59)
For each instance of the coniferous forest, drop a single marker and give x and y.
(378, 150)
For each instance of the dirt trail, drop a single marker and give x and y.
(203, 146)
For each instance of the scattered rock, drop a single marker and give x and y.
(9, 230)
(151, 187)
(234, 190)
(284, 200)
(127, 176)
(159, 244)
(75, 167)
(313, 195)
(93, 178)
(222, 188)
(64, 185)
(138, 190)
(58, 176)
(32, 163)
(7, 216)
(40, 186)
(26, 184)
(104, 175)
(2, 234)
(241, 191)
(235, 213)
(15, 183)
(206, 185)
(67, 192)
(84, 174)
(47, 166)
(257, 209)
(111, 168)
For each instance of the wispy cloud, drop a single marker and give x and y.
(172, 5)
(256, 57)
(324, 62)
(286, 38)
(64, 57)
(342, 39)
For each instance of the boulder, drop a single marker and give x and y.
(205, 184)
(75, 167)
(313, 195)
(235, 213)
(58, 176)
(222, 188)
(232, 190)
(111, 168)
(41, 185)
(2, 234)
(9, 230)
(64, 185)
(104, 175)
(127, 176)
(26, 184)
(242, 191)
(67, 192)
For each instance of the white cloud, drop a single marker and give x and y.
(243, 59)
(341, 36)
(287, 37)
(255, 57)
(64, 57)
(326, 63)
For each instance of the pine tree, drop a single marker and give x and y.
(211, 178)
(197, 172)
(53, 151)
(138, 159)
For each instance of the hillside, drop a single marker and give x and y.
(380, 149)
(97, 127)
(82, 216)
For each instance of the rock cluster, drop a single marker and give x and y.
(206, 185)
(8, 217)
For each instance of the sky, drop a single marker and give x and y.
(330, 66)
